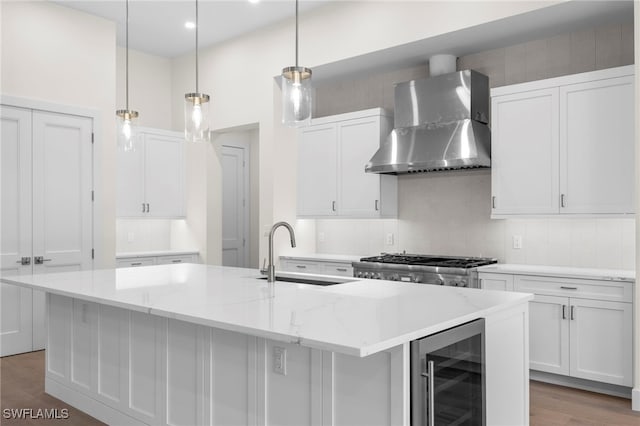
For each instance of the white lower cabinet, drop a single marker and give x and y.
(490, 281)
(581, 328)
(128, 261)
(320, 267)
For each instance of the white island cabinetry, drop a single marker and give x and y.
(323, 264)
(197, 344)
(126, 260)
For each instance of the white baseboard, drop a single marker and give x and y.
(635, 399)
(94, 408)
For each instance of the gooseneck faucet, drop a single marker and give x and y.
(271, 269)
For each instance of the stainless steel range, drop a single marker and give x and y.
(424, 269)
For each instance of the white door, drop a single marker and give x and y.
(15, 154)
(317, 170)
(234, 202)
(601, 341)
(164, 174)
(596, 146)
(549, 334)
(524, 153)
(359, 192)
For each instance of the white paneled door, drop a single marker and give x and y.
(234, 203)
(46, 212)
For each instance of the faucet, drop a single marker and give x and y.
(271, 269)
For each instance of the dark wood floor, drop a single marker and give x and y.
(22, 386)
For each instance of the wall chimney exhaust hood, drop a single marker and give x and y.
(440, 123)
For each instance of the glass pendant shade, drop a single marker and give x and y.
(196, 117)
(127, 129)
(296, 96)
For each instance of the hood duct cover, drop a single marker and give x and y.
(440, 124)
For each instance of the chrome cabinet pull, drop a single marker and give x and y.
(143, 210)
(568, 288)
(176, 261)
(493, 202)
(333, 206)
(24, 261)
(572, 312)
(562, 197)
(341, 269)
(564, 311)
(377, 205)
(301, 266)
(136, 264)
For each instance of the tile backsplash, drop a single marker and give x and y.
(448, 213)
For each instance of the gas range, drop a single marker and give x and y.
(423, 269)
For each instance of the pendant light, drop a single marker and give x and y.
(296, 91)
(196, 107)
(125, 118)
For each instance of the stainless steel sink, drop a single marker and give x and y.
(307, 280)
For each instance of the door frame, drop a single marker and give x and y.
(97, 213)
(247, 195)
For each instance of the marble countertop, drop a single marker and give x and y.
(561, 271)
(122, 255)
(324, 257)
(360, 317)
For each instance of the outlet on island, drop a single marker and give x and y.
(280, 360)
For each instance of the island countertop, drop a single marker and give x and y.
(359, 318)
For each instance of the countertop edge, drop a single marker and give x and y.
(560, 271)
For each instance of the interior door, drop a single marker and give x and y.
(15, 155)
(62, 201)
(233, 206)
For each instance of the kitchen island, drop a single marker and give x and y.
(197, 344)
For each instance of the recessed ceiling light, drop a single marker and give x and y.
(254, 1)
(189, 25)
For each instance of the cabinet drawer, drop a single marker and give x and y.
(299, 266)
(135, 261)
(620, 291)
(340, 269)
(164, 260)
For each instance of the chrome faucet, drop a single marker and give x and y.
(271, 269)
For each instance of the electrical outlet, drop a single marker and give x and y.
(389, 239)
(280, 360)
(517, 242)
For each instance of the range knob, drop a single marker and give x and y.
(394, 277)
(360, 274)
(439, 282)
(417, 279)
(463, 283)
(379, 276)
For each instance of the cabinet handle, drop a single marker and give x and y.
(333, 206)
(493, 202)
(143, 210)
(572, 312)
(432, 392)
(341, 269)
(176, 261)
(376, 205)
(301, 266)
(564, 311)
(147, 207)
(136, 264)
(568, 288)
(562, 197)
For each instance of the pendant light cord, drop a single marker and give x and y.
(127, 59)
(296, 33)
(197, 25)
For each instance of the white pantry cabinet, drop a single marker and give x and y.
(332, 153)
(47, 219)
(151, 178)
(564, 145)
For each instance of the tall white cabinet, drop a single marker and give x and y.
(151, 177)
(332, 153)
(47, 192)
(564, 145)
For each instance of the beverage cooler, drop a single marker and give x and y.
(448, 377)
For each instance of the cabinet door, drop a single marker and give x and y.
(601, 341)
(502, 282)
(317, 170)
(524, 153)
(15, 302)
(164, 174)
(597, 146)
(130, 181)
(358, 192)
(549, 334)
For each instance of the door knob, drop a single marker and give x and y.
(39, 260)
(24, 261)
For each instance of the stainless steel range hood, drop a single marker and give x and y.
(440, 124)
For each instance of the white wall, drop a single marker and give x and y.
(239, 77)
(59, 55)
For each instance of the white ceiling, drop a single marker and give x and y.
(157, 26)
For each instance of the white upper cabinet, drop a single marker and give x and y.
(151, 178)
(564, 145)
(332, 153)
